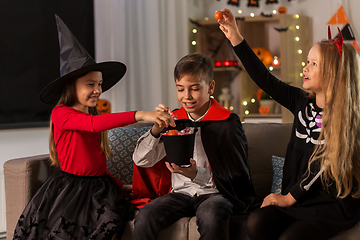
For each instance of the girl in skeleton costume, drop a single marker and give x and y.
(320, 185)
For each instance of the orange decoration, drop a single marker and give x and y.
(103, 106)
(172, 133)
(282, 10)
(339, 17)
(264, 110)
(218, 15)
(264, 55)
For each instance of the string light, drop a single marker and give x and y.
(274, 11)
(253, 100)
(245, 103)
(296, 16)
(301, 74)
(303, 64)
(193, 43)
(247, 112)
(271, 68)
(194, 30)
(252, 14)
(297, 27)
(297, 39)
(299, 51)
(206, 18)
(239, 11)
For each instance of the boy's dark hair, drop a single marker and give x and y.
(195, 64)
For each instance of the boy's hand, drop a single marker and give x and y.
(229, 28)
(189, 172)
(279, 200)
(156, 129)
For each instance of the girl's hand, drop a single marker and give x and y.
(156, 129)
(162, 119)
(189, 172)
(229, 28)
(127, 190)
(279, 200)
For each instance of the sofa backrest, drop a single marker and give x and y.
(264, 141)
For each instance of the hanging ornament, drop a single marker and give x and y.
(234, 2)
(253, 3)
(282, 10)
(271, 1)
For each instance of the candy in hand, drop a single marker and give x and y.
(218, 15)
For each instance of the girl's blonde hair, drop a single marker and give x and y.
(340, 154)
(68, 98)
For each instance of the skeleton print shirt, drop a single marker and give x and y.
(306, 125)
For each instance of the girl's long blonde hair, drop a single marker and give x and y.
(340, 128)
(68, 98)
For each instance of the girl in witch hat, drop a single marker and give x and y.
(320, 194)
(83, 200)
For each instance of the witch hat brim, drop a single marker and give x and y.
(75, 62)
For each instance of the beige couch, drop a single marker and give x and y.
(24, 176)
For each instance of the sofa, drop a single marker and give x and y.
(267, 144)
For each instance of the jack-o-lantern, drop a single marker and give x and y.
(103, 106)
(264, 55)
(282, 10)
(264, 110)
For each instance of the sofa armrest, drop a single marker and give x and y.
(23, 177)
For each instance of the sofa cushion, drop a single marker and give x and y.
(265, 140)
(278, 165)
(122, 143)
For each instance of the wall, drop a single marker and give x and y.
(319, 11)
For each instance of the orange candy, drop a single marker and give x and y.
(218, 15)
(172, 133)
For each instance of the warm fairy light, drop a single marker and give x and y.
(297, 27)
(274, 11)
(253, 100)
(303, 64)
(247, 112)
(194, 30)
(252, 14)
(193, 43)
(239, 11)
(231, 108)
(206, 18)
(297, 16)
(301, 75)
(271, 68)
(276, 61)
(297, 39)
(244, 103)
(300, 51)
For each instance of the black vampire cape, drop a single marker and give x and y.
(226, 148)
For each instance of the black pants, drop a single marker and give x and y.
(212, 212)
(272, 223)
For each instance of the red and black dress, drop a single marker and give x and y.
(83, 200)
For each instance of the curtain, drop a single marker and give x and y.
(149, 37)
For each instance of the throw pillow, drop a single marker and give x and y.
(122, 143)
(278, 164)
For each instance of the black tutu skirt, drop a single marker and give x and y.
(68, 206)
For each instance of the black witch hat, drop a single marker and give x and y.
(76, 62)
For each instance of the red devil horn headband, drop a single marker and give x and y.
(338, 42)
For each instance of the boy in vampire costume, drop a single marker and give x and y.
(217, 182)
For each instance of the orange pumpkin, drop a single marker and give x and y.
(282, 10)
(172, 133)
(103, 106)
(264, 55)
(264, 110)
